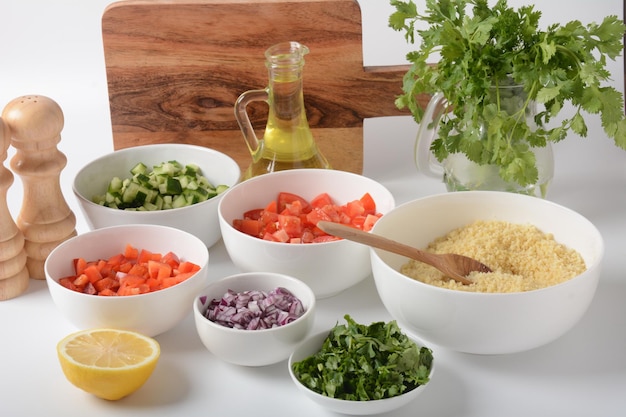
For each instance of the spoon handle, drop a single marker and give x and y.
(369, 239)
(380, 242)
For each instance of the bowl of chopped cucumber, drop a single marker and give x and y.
(176, 185)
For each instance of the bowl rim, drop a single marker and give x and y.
(233, 165)
(73, 239)
(514, 196)
(197, 304)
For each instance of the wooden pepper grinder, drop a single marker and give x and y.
(13, 272)
(45, 218)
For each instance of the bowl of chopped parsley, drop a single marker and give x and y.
(361, 369)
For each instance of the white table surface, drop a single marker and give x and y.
(54, 49)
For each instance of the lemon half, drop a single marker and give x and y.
(108, 363)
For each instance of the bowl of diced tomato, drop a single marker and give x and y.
(134, 277)
(268, 223)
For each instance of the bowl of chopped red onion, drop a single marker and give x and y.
(254, 318)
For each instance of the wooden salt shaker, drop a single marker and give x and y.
(45, 218)
(13, 271)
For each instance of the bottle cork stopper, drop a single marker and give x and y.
(13, 271)
(45, 219)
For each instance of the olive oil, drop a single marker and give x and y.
(287, 142)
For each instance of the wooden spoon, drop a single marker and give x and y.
(454, 266)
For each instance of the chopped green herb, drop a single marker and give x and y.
(360, 363)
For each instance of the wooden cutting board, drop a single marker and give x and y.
(175, 69)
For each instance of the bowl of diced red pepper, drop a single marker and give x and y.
(134, 277)
(269, 223)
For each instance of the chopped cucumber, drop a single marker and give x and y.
(169, 185)
(221, 188)
(140, 168)
(115, 186)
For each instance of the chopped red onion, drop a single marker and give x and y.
(254, 310)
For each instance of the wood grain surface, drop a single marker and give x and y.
(175, 69)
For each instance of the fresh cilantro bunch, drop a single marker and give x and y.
(482, 47)
(365, 362)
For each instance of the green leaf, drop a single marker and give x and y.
(547, 93)
(578, 125)
(481, 44)
(620, 134)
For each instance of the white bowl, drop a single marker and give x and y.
(199, 219)
(328, 268)
(312, 345)
(151, 313)
(253, 347)
(484, 323)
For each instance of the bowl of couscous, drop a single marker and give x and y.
(545, 261)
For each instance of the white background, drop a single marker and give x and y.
(54, 48)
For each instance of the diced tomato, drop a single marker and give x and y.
(159, 270)
(370, 219)
(307, 236)
(296, 208)
(131, 252)
(290, 218)
(248, 226)
(268, 217)
(253, 214)
(142, 272)
(322, 200)
(106, 283)
(171, 259)
(79, 265)
(316, 215)
(117, 260)
(369, 205)
(354, 208)
(285, 198)
(272, 207)
(92, 272)
(281, 235)
(187, 267)
(81, 280)
(138, 269)
(290, 224)
(125, 266)
(146, 255)
(333, 213)
(133, 284)
(68, 282)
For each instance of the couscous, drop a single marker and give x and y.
(522, 258)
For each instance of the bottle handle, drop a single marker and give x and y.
(241, 114)
(424, 158)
